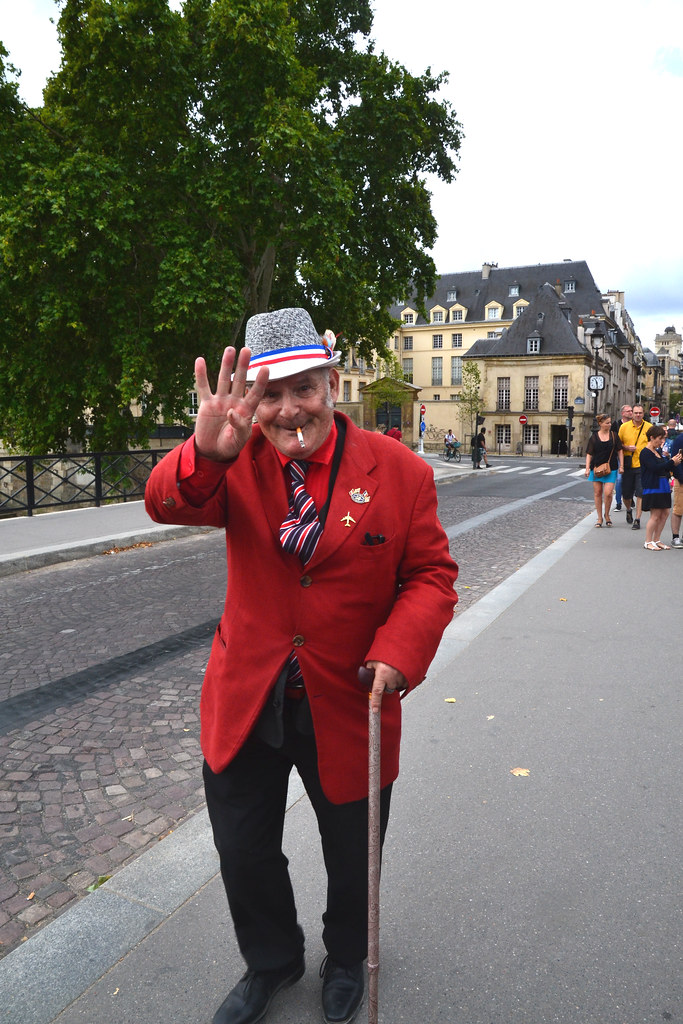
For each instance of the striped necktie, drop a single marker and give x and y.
(299, 534)
(301, 530)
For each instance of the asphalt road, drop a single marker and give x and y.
(102, 667)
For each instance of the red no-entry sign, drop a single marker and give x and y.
(522, 419)
(654, 410)
(423, 410)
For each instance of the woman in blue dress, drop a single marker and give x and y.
(603, 448)
(655, 471)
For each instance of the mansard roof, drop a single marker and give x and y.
(544, 317)
(477, 288)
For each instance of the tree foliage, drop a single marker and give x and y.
(470, 395)
(187, 170)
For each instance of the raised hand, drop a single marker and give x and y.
(223, 424)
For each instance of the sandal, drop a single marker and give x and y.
(608, 521)
(598, 524)
(662, 547)
(650, 545)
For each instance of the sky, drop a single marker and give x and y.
(573, 122)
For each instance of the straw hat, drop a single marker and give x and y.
(287, 343)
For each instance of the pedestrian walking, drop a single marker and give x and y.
(633, 436)
(604, 460)
(626, 417)
(336, 561)
(656, 469)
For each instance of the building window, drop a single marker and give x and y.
(456, 369)
(437, 316)
(531, 392)
(457, 314)
(493, 334)
(560, 392)
(513, 291)
(503, 392)
(436, 398)
(530, 434)
(570, 286)
(408, 318)
(408, 342)
(396, 341)
(193, 403)
(503, 434)
(493, 313)
(519, 310)
(533, 345)
(361, 364)
(456, 340)
(347, 390)
(437, 340)
(408, 370)
(437, 371)
(452, 295)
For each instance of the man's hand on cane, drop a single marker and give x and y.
(387, 680)
(223, 424)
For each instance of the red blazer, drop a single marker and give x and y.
(352, 603)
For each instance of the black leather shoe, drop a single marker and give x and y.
(252, 995)
(342, 991)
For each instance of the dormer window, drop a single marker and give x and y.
(437, 316)
(513, 291)
(493, 313)
(533, 344)
(456, 314)
(570, 285)
(452, 295)
(408, 318)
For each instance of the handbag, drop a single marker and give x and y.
(604, 469)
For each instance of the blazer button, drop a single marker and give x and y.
(298, 640)
(169, 502)
(305, 581)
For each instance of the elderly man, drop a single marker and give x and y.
(633, 436)
(336, 560)
(626, 417)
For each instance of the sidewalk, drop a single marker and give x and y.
(505, 898)
(31, 542)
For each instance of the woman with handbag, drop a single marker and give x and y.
(655, 470)
(604, 458)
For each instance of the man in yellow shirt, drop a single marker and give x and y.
(633, 436)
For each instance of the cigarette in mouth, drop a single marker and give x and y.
(301, 437)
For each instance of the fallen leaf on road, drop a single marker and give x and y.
(563, 599)
(520, 771)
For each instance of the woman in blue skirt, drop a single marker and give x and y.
(604, 448)
(655, 471)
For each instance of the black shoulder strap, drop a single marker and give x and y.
(336, 459)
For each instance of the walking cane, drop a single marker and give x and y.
(365, 677)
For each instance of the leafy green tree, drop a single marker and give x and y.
(187, 170)
(470, 397)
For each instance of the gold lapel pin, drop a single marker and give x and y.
(347, 520)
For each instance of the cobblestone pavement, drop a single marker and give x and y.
(102, 664)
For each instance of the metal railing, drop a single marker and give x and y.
(31, 483)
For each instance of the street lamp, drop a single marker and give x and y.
(596, 383)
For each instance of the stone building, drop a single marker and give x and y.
(492, 315)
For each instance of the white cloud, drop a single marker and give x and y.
(571, 114)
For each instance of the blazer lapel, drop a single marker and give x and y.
(345, 515)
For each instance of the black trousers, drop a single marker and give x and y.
(246, 805)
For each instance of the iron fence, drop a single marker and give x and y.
(31, 483)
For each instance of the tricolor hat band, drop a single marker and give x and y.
(287, 355)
